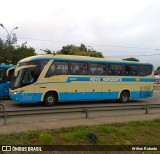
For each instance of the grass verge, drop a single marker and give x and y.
(132, 133)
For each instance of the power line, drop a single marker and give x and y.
(134, 55)
(108, 45)
(156, 49)
(90, 44)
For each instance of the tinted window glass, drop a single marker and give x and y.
(93, 69)
(28, 77)
(58, 68)
(96, 69)
(144, 70)
(40, 63)
(78, 68)
(2, 75)
(114, 69)
(130, 70)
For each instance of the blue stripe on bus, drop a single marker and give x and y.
(68, 96)
(146, 80)
(6, 66)
(26, 97)
(95, 61)
(100, 79)
(78, 96)
(109, 79)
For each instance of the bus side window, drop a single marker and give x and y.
(114, 69)
(133, 73)
(109, 69)
(130, 70)
(58, 68)
(74, 68)
(1, 75)
(144, 70)
(126, 73)
(83, 68)
(51, 71)
(118, 72)
(109, 72)
(101, 69)
(93, 69)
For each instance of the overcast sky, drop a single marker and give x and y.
(117, 28)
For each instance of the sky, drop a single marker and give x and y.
(117, 28)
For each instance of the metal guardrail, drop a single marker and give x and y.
(75, 109)
(2, 109)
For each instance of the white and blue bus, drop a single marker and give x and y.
(60, 78)
(4, 79)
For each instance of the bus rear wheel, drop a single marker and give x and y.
(50, 99)
(124, 97)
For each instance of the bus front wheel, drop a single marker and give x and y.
(124, 97)
(50, 99)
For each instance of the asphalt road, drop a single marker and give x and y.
(12, 106)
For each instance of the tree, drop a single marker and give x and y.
(158, 68)
(47, 51)
(10, 54)
(5, 51)
(22, 52)
(131, 59)
(79, 50)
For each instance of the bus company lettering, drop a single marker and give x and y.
(106, 79)
(112, 79)
(95, 79)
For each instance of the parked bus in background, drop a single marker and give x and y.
(4, 79)
(156, 81)
(60, 78)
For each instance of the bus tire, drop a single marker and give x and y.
(124, 97)
(50, 99)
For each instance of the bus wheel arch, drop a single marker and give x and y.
(124, 96)
(50, 98)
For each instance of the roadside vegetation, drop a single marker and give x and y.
(132, 133)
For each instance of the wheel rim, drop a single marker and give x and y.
(124, 98)
(50, 99)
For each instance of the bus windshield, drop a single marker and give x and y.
(28, 76)
(25, 77)
(2, 75)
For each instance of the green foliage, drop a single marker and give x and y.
(22, 52)
(79, 50)
(5, 52)
(158, 68)
(131, 59)
(46, 138)
(131, 133)
(11, 54)
(47, 51)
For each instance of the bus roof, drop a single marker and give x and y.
(6, 65)
(76, 58)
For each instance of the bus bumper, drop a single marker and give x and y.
(25, 97)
